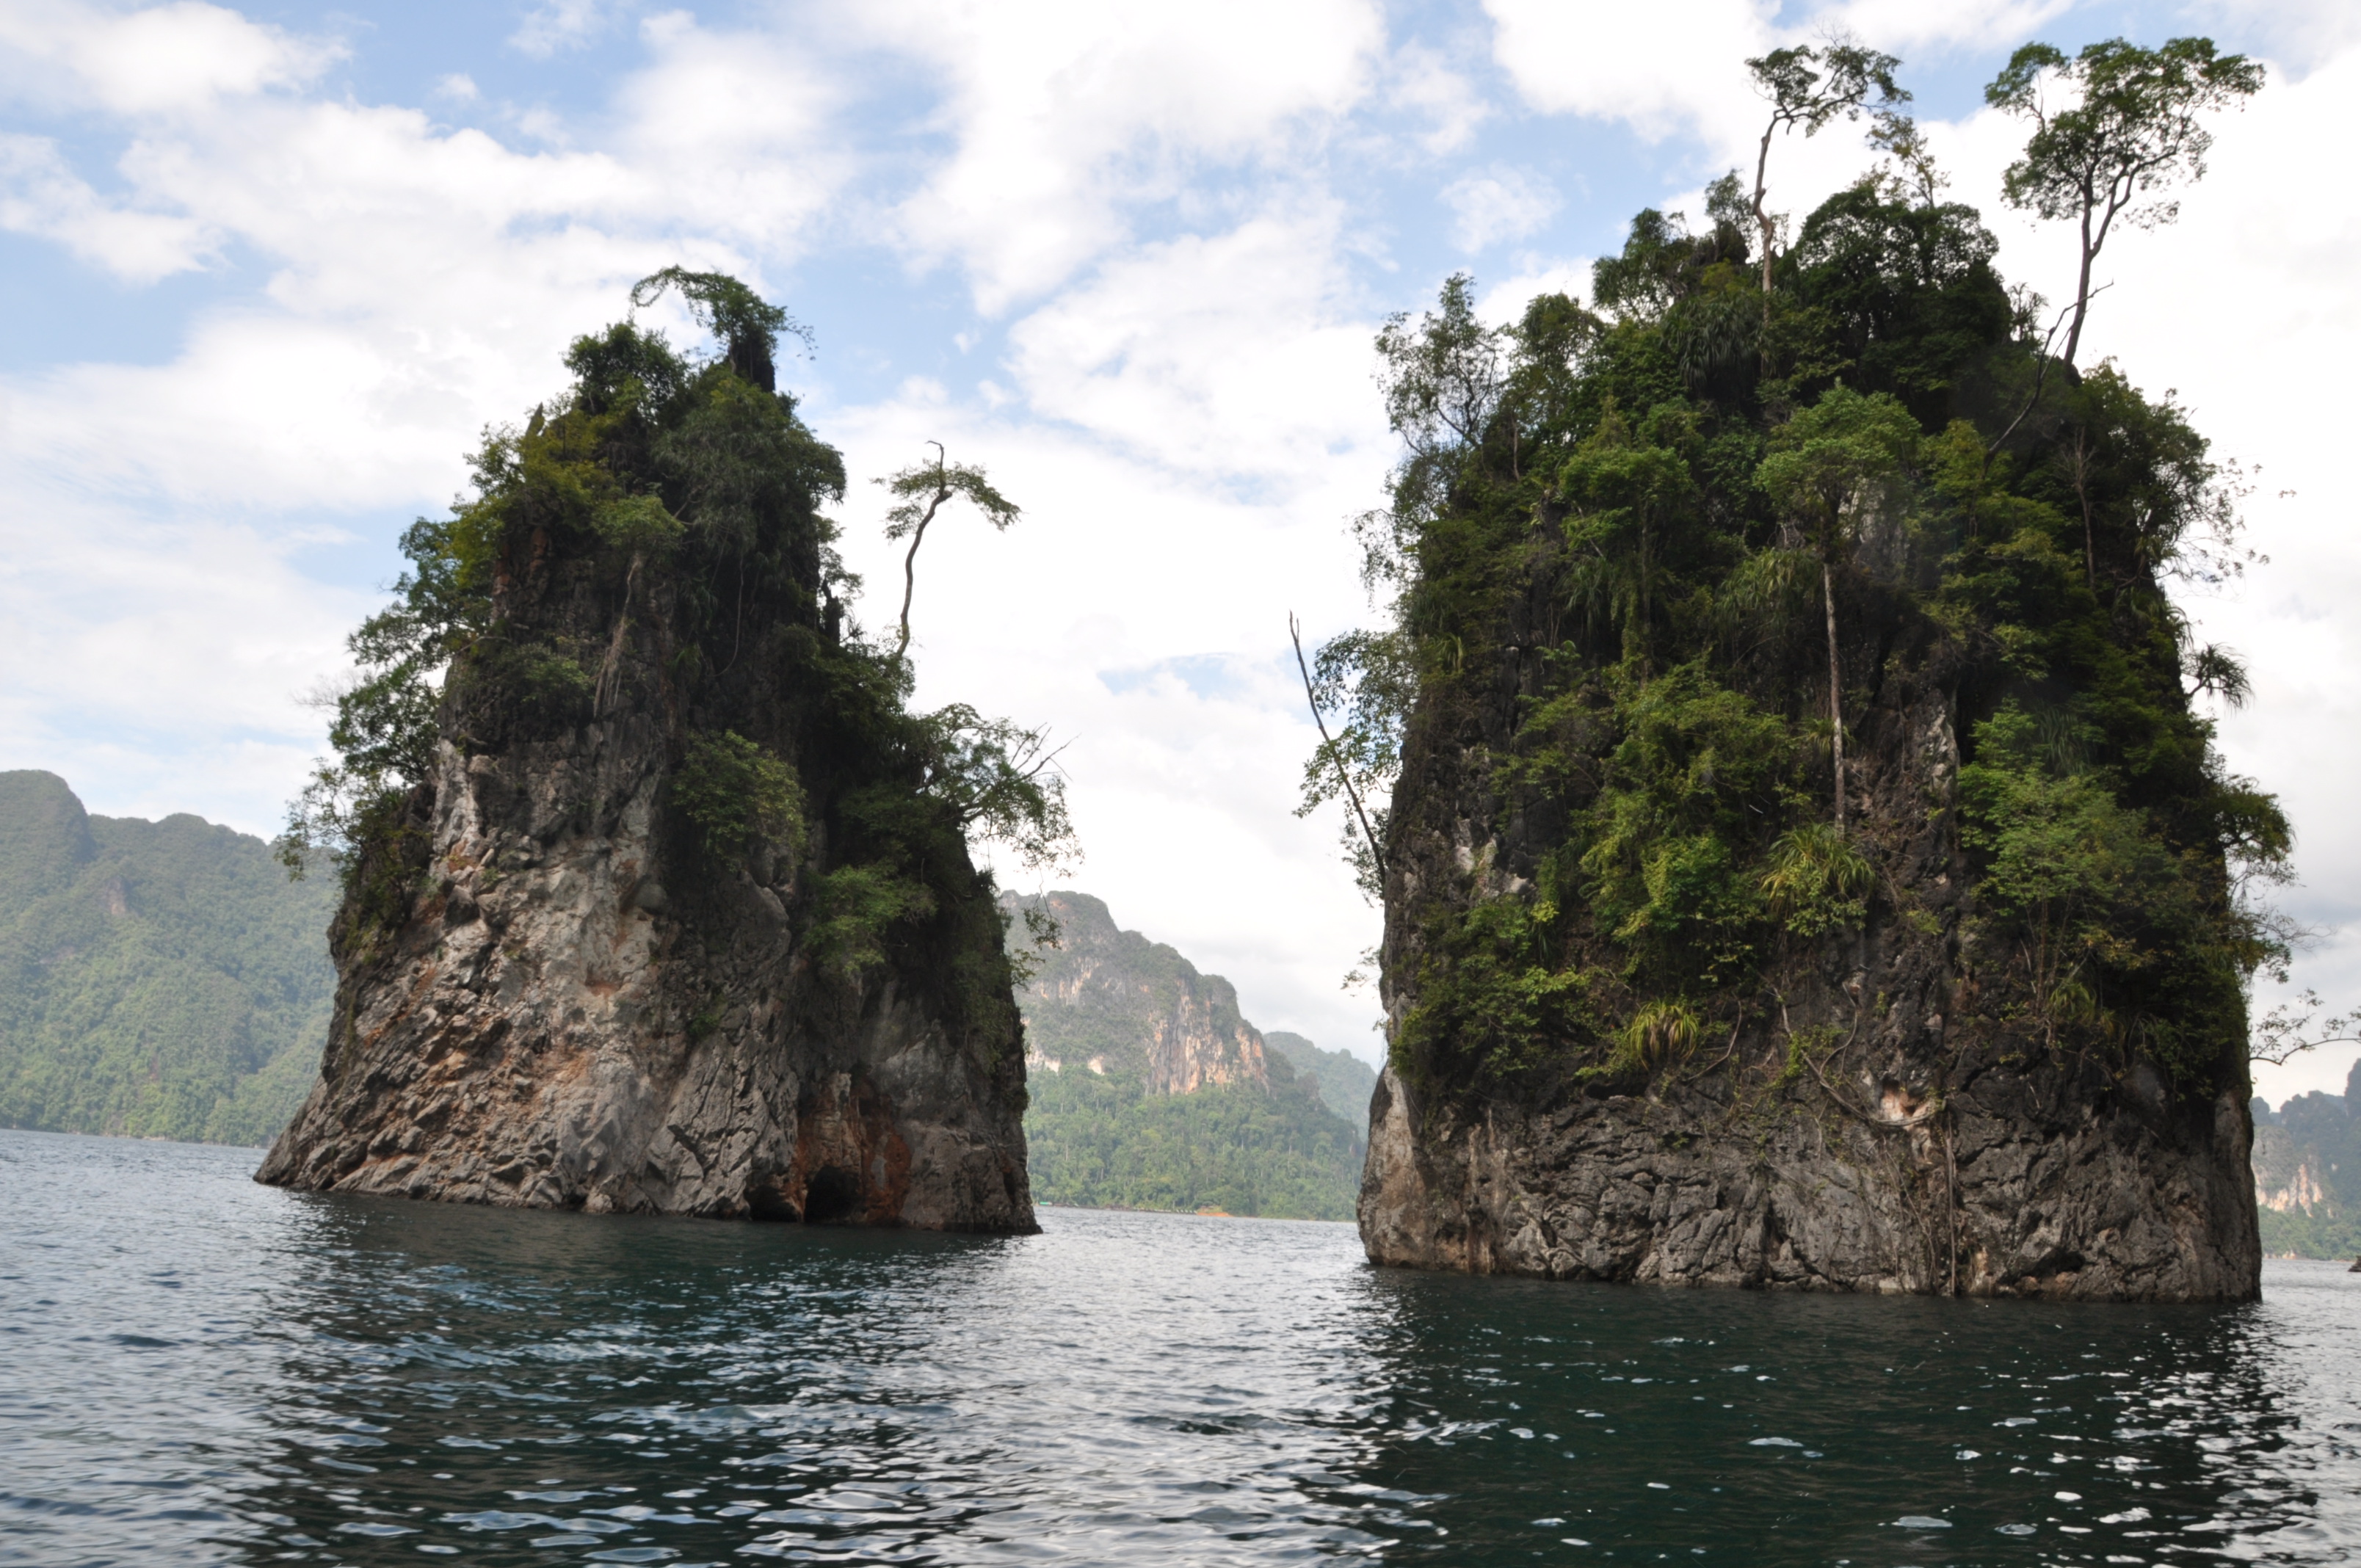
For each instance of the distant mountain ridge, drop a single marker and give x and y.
(156, 979)
(1149, 1090)
(1345, 1080)
(2307, 1163)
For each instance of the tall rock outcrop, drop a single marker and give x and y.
(1110, 1000)
(665, 905)
(1807, 866)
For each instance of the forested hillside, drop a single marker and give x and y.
(1149, 1091)
(156, 979)
(1345, 1080)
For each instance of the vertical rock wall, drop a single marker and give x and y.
(1927, 1148)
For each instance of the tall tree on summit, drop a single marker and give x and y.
(2134, 134)
(921, 489)
(748, 324)
(1809, 87)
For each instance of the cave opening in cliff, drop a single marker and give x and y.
(833, 1194)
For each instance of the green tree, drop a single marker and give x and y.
(741, 796)
(1827, 468)
(748, 324)
(2134, 132)
(921, 489)
(1810, 86)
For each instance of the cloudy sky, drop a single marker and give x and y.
(270, 269)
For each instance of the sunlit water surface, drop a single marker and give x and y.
(193, 1369)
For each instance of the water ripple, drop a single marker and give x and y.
(201, 1370)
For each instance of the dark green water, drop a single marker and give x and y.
(196, 1369)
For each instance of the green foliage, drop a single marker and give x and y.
(746, 322)
(1644, 571)
(2299, 1232)
(919, 492)
(2133, 132)
(1105, 1142)
(741, 796)
(2120, 938)
(1001, 781)
(859, 905)
(1817, 881)
(156, 979)
(1828, 464)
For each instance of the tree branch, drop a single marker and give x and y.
(1344, 775)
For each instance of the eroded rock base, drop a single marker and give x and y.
(1686, 1186)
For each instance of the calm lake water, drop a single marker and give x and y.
(196, 1369)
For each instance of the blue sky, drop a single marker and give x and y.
(273, 267)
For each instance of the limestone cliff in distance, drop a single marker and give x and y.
(2308, 1173)
(1110, 1000)
(1345, 1082)
(1150, 1090)
(663, 902)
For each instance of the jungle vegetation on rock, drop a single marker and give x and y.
(1689, 531)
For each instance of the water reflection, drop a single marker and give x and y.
(1812, 1429)
(198, 1369)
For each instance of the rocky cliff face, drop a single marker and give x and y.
(558, 989)
(2291, 1177)
(1929, 1153)
(1110, 1000)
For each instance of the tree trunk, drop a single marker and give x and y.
(1836, 692)
(1761, 218)
(2082, 286)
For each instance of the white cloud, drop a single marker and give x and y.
(1497, 204)
(1123, 571)
(1902, 26)
(1674, 66)
(1420, 81)
(165, 59)
(1505, 301)
(1068, 117)
(42, 196)
(560, 25)
(1226, 354)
